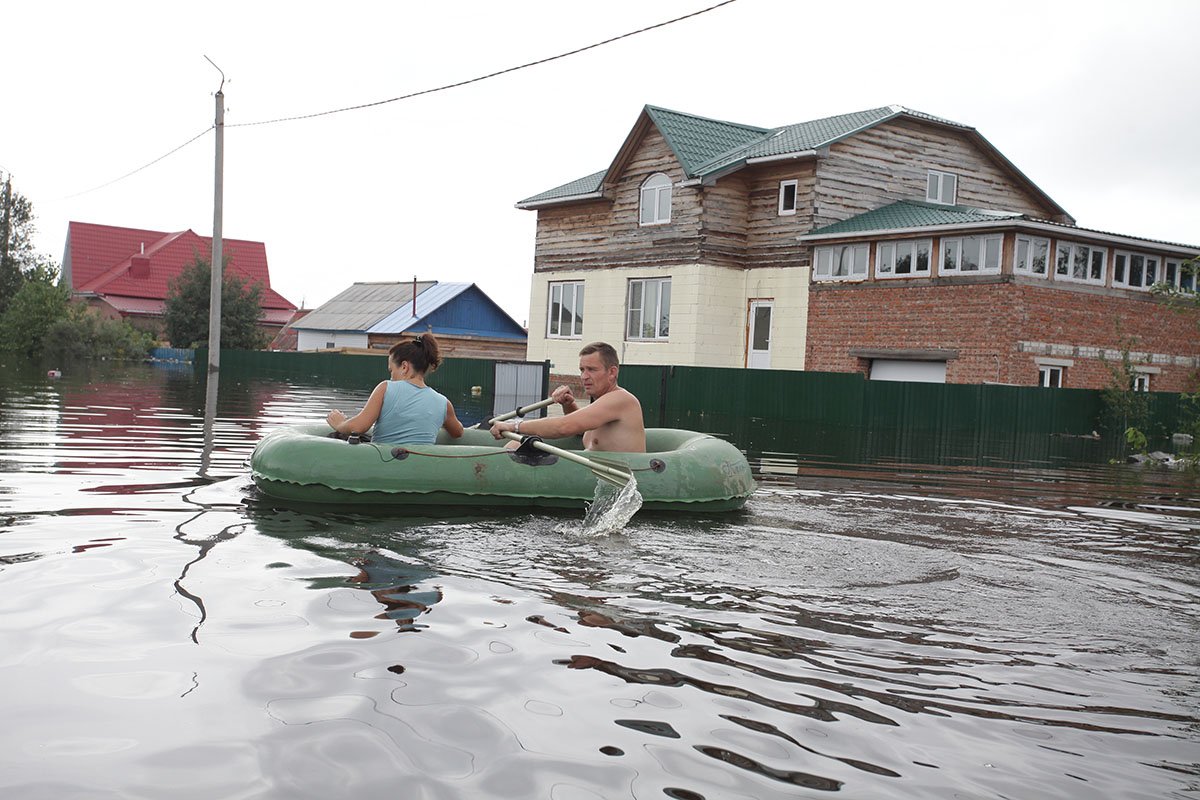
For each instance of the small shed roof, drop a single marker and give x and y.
(363, 305)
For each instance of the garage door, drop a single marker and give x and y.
(884, 369)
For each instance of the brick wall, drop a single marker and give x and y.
(1001, 328)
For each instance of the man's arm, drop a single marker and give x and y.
(599, 412)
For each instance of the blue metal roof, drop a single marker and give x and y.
(428, 301)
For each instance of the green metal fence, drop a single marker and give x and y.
(842, 417)
(815, 416)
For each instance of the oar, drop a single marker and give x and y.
(602, 471)
(520, 412)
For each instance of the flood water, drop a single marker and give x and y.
(858, 631)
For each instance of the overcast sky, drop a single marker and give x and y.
(1097, 102)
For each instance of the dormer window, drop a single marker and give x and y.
(787, 198)
(942, 188)
(656, 200)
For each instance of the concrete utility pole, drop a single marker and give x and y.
(218, 265)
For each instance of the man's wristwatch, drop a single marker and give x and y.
(517, 426)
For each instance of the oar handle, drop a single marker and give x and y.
(599, 469)
(520, 412)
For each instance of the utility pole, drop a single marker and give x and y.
(218, 265)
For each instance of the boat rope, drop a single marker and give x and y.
(400, 453)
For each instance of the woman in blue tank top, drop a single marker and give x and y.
(404, 410)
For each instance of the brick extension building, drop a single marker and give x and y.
(887, 241)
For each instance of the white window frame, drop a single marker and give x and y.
(886, 254)
(1023, 263)
(576, 307)
(784, 211)
(1150, 263)
(1141, 382)
(1184, 283)
(1050, 376)
(1072, 250)
(823, 259)
(936, 185)
(652, 198)
(660, 309)
(955, 244)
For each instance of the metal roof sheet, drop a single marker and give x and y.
(911, 214)
(362, 305)
(698, 140)
(428, 301)
(576, 188)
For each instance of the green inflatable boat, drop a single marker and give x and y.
(682, 471)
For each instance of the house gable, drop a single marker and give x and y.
(890, 161)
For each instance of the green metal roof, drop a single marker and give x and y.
(698, 140)
(911, 214)
(576, 188)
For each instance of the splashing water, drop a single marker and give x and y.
(610, 510)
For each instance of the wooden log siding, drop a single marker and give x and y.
(608, 234)
(891, 162)
(771, 238)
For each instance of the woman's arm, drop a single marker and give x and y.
(364, 419)
(452, 425)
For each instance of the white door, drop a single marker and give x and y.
(759, 355)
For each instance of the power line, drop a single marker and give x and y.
(409, 95)
(482, 77)
(144, 166)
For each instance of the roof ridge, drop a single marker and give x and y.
(744, 125)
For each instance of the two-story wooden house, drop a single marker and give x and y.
(886, 241)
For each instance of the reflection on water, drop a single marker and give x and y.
(862, 631)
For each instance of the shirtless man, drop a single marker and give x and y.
(612, 421)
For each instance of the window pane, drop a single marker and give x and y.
(1119, 268)
(1172, 273)
(1135, 270)
(1079, 267)
(922, 249)
(970, 254)
(787, 197)
(635, 310)
(1040, 255)
(991, 255)
(1064, 259)
(555, 306)
(950, 254)
(1151, 271)
(647, 211)
(904, 259)
(664, 314)
(568, 317)
(841, 264)
(949, 184)
(1021, 259)
(931, 191)
(762, 328)
(1097, 273)
(821, 262)
(861, 255)
(664, 204)
(579, 309)
(649, 308)
(884, 257)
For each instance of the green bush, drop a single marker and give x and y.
(85, 333)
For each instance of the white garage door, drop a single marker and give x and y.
(884, 369)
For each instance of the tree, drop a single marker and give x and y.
(17, 255)
(37, 305)
(186, 313)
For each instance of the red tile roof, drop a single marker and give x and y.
(107, 260)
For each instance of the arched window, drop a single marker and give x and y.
(656, 200)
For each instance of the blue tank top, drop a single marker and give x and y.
(410, 415)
